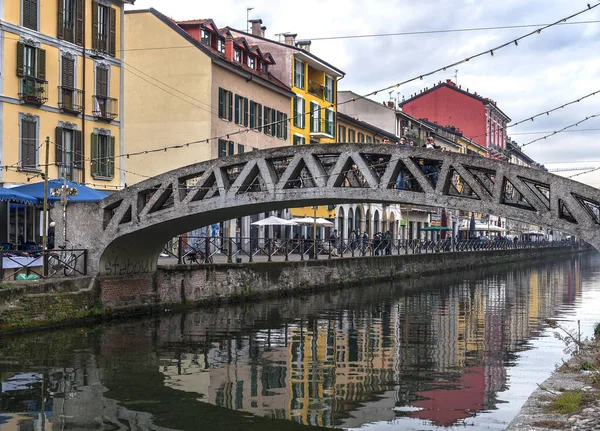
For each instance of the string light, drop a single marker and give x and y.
(562, 130)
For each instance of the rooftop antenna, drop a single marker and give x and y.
(248, 9)
(456, 76)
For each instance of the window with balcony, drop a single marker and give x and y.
(329, 88)
(225, 104)
(31, 69)
(299, 105)
(103, 156)
(30, 12)
(105, 107)
(29, 137)
(299, 74)
(70, 21)
(68, 152)
(205, 37)
(70, 99)
(315, 117)
(104, 28)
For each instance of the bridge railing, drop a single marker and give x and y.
(246, 249)
(35, 263)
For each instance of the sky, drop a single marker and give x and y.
(559, 65)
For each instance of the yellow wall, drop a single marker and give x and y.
(164, 119)
(49, 113)
(357, 130)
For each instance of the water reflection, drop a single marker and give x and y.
(429, 352)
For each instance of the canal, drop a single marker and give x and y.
(453, 350)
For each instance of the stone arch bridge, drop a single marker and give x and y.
(125, 232)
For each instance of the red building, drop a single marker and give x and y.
(448, 105)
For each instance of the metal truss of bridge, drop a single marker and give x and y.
(125, 232)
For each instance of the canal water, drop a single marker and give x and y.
(454, 350)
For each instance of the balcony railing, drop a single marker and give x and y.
(33, 90)
(70, 100)
(321, 128)
(316, 89)
(105, 108)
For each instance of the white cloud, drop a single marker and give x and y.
(546, 70)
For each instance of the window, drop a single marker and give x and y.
(103, 156)
(225, 104)
(252, 114)
(230, 148)
(104, 28)
(377, 141)
(267, 126)
(240, 149)
(361, 137)
(284, 121)
(104, 106)
(29, 141)
(369, 139)
(298, 74)
(278, 119)
(341, 134)
(70, 21)
(67, 97)
(239, 100)
(265, 68)
(30, 13)
(251, 61)
(237, 56)
(315, 117)
(329, 88)
(221, 46)
(330, 122)
(245, 112)
(205, 38)
(222, 148)
(298, 140)
(299, 112)
(68, 153)
(351, 135)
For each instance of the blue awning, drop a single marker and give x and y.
(84, 193)
(12, 195)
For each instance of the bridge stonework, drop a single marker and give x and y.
(125, 232)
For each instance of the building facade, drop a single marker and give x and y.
(61, 79)
(447, 104)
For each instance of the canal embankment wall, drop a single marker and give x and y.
(45, 303)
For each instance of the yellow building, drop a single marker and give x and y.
(61, 79)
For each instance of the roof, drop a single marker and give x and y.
(451, 85)
(294, 48)
(217, 57)
(365, 125)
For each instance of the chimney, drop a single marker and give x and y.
(262, 31)
(450, 82)
(390, 104)
(229, 48)
(256, 23)
(304, 44)
(290, 38)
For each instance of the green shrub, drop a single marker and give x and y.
(567, 402)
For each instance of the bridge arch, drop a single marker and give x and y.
(125, 232)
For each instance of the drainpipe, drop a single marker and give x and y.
(83, 100)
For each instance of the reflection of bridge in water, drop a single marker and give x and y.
(349, 358)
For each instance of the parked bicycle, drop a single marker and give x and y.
(64, 259)
(195, 255)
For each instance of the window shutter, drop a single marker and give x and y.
(60, 32)
(111, 155)
(285, 126)
(58, 146)
(237, 109)
(28, 144)
(259, 113)
(266, 117)
(303, 115)
(78, 148)
(230, 95)
(41, 64)
(231, 148)
(68, 72)
(79, 22)
(95, 162)
(245, 111)
(20, 59)
(102, 81)
(273, 122)
(30, 14)
(252, 114)
(95, 25)
(312, 115)
(295, 114)
(113, 32)
(221, 103)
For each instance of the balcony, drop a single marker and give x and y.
(105, 108)
(316, 89)
(321, 128)
(70, 100)
(33, 90)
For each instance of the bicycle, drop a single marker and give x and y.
(195, 255)
(64, 259)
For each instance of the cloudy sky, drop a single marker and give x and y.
(557, 66)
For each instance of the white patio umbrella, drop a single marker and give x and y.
(275, 221)
(324, 222)
(309, 220)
